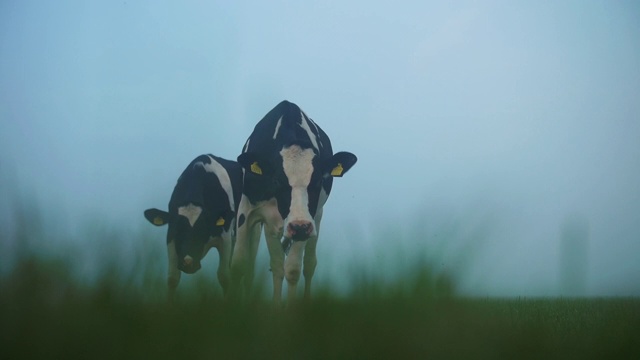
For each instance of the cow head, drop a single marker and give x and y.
(190, 229)
(298, 179)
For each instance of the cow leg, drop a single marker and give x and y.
(293, 267)
(254, 243)
(224, 251)
(310, 260)
(273, 230)
(244, 257)
(276, 255)
(173, 274)
(240, 258)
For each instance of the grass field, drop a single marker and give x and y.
(46, 315)
(53, 305)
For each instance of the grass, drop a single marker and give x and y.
(67, 304)
(45, 314)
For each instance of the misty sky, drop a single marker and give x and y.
(486, 123)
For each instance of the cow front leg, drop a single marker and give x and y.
(310, 262)
(173, 273)
(239, 260)
(276, 255)
(254, 244)
(310, 259)
(224, 265)
(293, 267)
(243, 259)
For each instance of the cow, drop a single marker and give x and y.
(288, 170)
(201, 215)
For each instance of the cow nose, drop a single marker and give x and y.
(300, 230)
(188, 260)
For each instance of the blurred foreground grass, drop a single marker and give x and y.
(104, 298)
(44, 313)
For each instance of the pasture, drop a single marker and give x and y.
(51, 307)
(44, 313)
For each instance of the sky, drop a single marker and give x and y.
(482, 128)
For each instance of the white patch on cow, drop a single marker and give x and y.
(298, 167)
(305, 125)
(275, 133)
(246, 146)
(222, 174)
(315, 126)
(191, 212)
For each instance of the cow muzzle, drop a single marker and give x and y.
(189, 265)
(299, 230)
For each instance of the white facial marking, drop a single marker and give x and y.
(191, 212)
(275, 133)
(305, 125)
(222, 174)
(298, 167)
(297, 164)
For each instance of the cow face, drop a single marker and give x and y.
(298, 179)
(190, 230)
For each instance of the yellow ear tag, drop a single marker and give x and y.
(158, 221)
(220, 222)
(337, 171)
(256, 169)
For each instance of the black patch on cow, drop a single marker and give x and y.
(241, 220)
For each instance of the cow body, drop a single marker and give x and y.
(201, 215)
(289, 167)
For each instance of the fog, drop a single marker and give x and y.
(484, 130)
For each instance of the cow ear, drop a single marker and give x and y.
(220, 223)
(252, 162)
(340, 163)
(225, 220)
(157, 217)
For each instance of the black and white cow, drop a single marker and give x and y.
(289, 168)
(201, 215)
